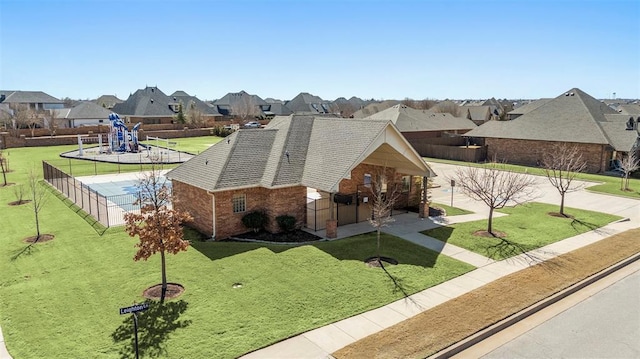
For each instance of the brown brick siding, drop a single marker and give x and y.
(198, 203)
(527, 152)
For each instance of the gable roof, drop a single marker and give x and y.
(28, 97)
(408, 119)
(574, 116)
(84, 110)
(299, 150)
(149, 101)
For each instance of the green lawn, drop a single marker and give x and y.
(527, 227)
(193, 145)
(60, 299)
(451, 211)
(603, 184)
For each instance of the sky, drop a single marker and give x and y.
(435, 49)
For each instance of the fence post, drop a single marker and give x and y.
(70, 172)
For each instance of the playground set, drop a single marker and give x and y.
(119, 138)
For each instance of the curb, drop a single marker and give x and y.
(514, 318)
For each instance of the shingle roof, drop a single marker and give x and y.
(28, 97)
(629, 109)
(85, 110)
(306, 103)
(188, 101)
(529, 107)
(295, 150)
(107, 100)
(408, 119)
(149, 101)
(615, 128)
(573, 116)
(374, 108)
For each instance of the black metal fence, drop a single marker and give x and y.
(107, 210)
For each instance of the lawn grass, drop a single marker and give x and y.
(60, 299)
(528, 226)
(451, 211)
(602, 183)
(193, 145)
(438, 328)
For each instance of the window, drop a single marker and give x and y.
(406, 183)
(367, 180)
(239, 203)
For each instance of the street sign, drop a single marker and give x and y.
(453, 183)
(134, 308)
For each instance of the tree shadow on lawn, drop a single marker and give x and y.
(154, 327)
(222, 249)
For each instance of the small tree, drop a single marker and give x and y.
(384, 196)
(630, 163)
(157, 225)
(4, 167)
(195, 117)
(52, 122)
(561, 164)
(180, 117)
(495, 186)
(245, 107)
(39, 195)
(19, 193)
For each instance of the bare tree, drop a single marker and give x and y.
(630, 163)
(448, 107)
(158, 226)
(22, 117)
(195, 117)
(561, 164)
(4, 167)
(51, 121)
(245, 107)
(384, 196)
(345, 109)
(495, 186)
(19, 193)
(39, 195)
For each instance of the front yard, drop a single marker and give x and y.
(527, 227)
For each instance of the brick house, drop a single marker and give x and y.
(275, 169)
(573, 117)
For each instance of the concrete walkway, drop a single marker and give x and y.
(321, 342)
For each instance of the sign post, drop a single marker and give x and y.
(453, 184)
(133, 310)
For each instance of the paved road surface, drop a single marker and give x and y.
(605, 325)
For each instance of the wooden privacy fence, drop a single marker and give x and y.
(457, 153)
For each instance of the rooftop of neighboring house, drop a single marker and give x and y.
(299, 150)
(375, 107)
(521, 110)
(189, 102)
(146, 102)
(12, 96)
(408, 119)
(84, 110)
(239, 101)
(306, 103)
(573, 116)
(107, 101)
(629, 109)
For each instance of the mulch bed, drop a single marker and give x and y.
(295, 236)
(458, 318)
(19, 203)
(174, 290)
(43, 238)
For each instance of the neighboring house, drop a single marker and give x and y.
(629, 109)
(277, 168)
(85, 113)
(307, 104)
(241, 105)
(36, 100)
(375, 107)
(417, 125)
(149, 106)
(526, 108)
(189, 103)
(573, 117)
(107, 101)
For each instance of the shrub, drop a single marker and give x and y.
(255, 220)
(286, 223)
(221, 131)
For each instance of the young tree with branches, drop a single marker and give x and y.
(495, 186)
(630, 163)
(384, 196)
(39, 195)
(561, 164)
(4, 167)
(158, 226)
